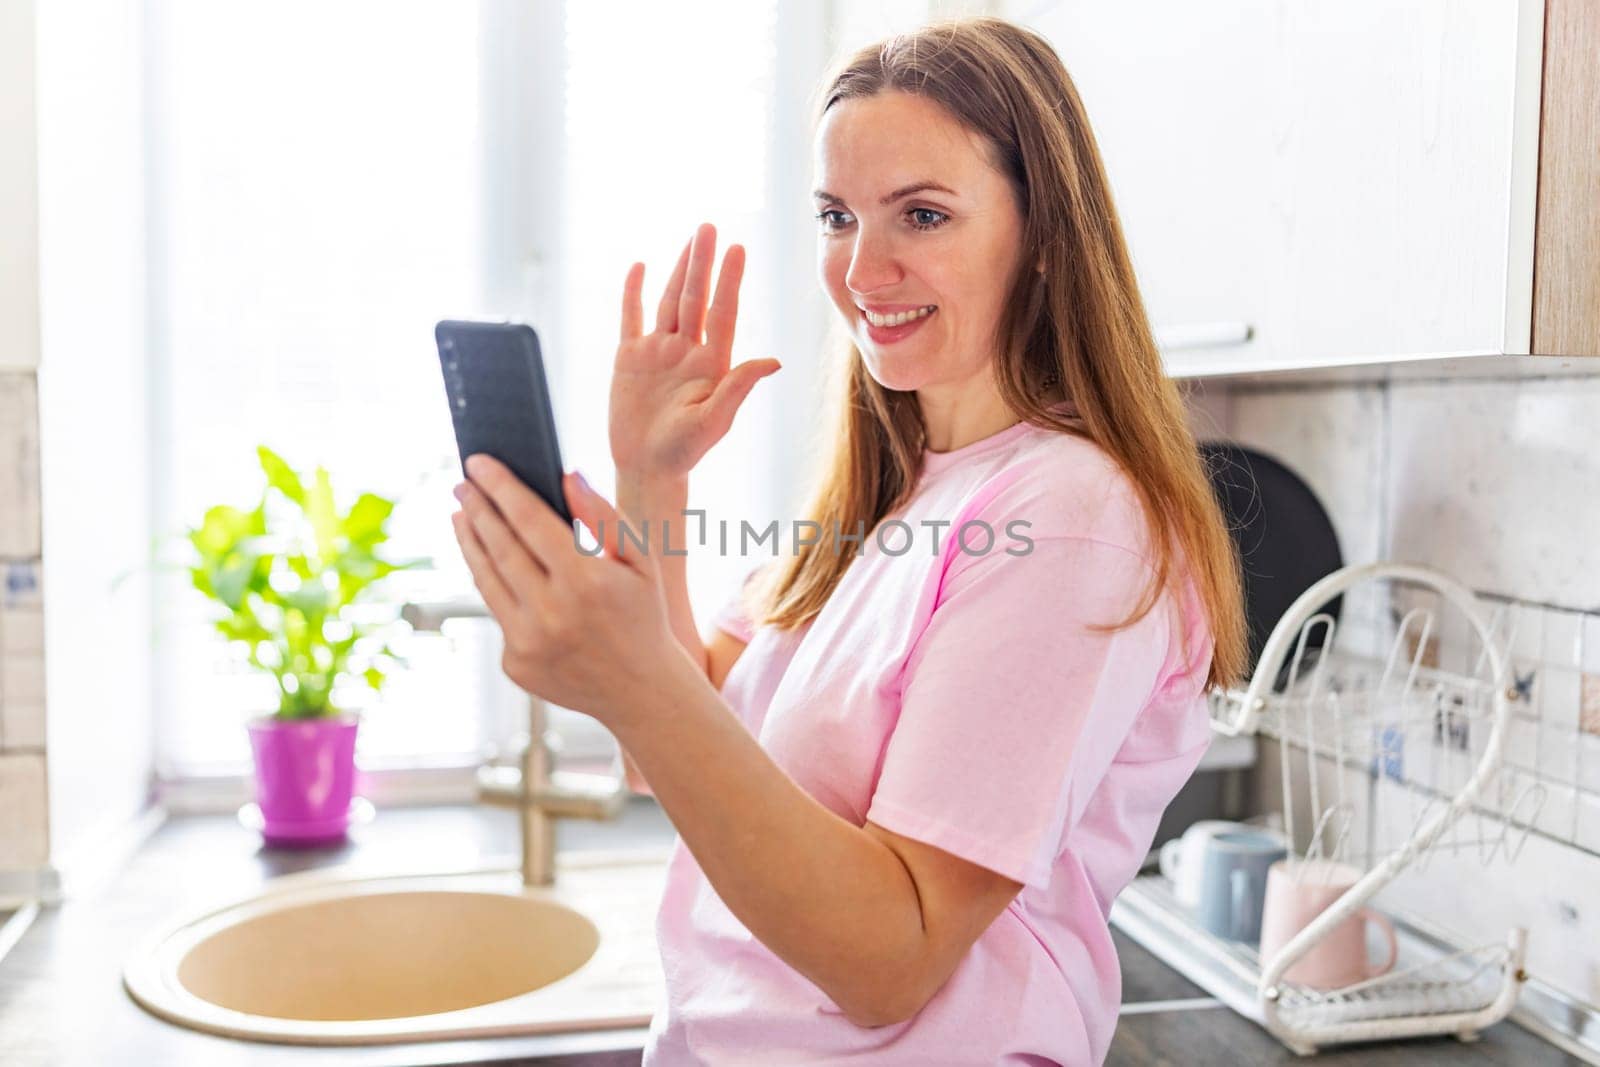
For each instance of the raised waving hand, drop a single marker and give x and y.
(673, 393)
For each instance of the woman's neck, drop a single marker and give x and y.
(950, 426)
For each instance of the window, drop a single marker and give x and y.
(327, 181)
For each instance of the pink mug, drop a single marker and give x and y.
(1297, 892)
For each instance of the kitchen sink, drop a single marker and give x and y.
(381, 952)
(344, 957)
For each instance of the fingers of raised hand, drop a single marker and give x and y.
(632, 305)
(725, 306)
(731, 391)
(667, 311)
(697, 286)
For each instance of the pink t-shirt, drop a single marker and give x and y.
(954, 696)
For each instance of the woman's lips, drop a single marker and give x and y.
(888, 335)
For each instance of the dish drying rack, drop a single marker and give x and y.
(1391, 738)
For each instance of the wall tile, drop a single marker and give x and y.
(1589, 704)
(1559, 684)
(1588, 759)
(20, 528)
(1210, 408)
(1588, 655)
(21, 656)
(23, 813)
(1496, 483)
(1333, 439)
(1588, 824)
(23, 836)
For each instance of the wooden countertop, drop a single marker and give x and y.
(62, 1001)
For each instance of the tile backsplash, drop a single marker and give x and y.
(24, 838)
(1496, 483)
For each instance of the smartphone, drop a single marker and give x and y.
(500, 402)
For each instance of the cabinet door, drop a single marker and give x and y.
(1402, 214)
(1353, 180)
(1174, 93)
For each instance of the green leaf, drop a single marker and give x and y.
(364, 524)
(235, 578)
(201, 579)
(221, 531)
(243, 627)
(309, 598)
(280, 475)
(324, 516)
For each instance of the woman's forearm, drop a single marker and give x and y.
(634, 776)
(826, 897)
(654, 505)
(658, 504)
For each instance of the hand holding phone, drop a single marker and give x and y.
(500, 402)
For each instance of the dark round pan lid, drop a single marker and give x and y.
(1285, 539)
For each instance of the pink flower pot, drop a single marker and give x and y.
(305, 775)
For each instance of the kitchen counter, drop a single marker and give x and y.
(61, 995)
(62, 1001)
(1194, 1028)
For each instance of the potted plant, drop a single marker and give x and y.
(289, 587)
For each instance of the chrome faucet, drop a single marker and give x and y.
(540, 793)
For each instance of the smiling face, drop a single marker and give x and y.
(886, 245)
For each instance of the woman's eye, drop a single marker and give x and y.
(828, 224)
(922, 218)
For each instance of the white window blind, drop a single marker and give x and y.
(326, 182)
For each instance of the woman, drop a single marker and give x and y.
(909, 773)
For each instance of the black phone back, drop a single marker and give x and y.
(500, 401)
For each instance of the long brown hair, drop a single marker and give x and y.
(1077, 331)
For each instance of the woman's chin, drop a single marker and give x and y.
(899, 378)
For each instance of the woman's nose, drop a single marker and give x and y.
(873, 265)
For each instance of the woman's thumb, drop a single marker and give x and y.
(735, 386)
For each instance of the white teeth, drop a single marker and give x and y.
(899, 318)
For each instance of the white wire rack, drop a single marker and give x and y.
(1412, 703)
(1553, 741)
(1389, 689)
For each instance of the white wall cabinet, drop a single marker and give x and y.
(1355, 182)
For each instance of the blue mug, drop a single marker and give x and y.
(1233, 882)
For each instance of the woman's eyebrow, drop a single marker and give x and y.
(904, 191)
